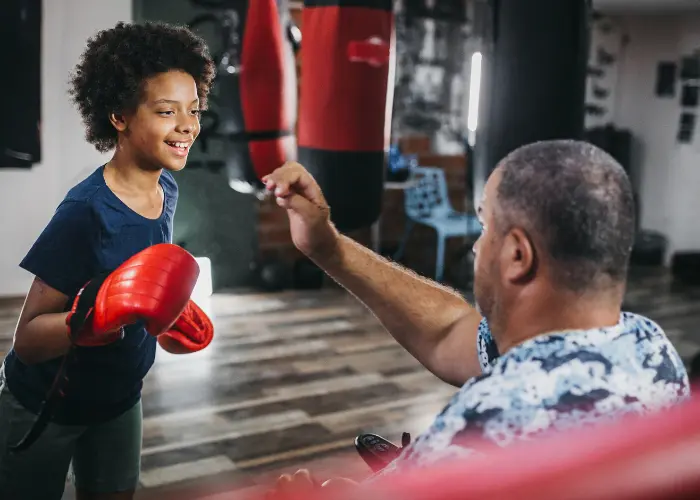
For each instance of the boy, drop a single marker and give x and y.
(139, 89)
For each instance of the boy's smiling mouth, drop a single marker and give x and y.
(179, 147)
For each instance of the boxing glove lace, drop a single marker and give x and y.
(192, 332)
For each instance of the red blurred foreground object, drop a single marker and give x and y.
(638, 458)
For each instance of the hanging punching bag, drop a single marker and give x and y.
(533, 84)
(257, 92)
(345, 106)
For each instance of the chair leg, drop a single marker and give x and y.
(404, 240)
(440, 261)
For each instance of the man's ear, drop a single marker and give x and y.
(519, 256)
(118, 121)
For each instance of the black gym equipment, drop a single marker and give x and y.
(378, 452)
(20, 60)
(535, 56)
(533, 85)
(685, 268)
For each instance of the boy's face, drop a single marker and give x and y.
(162, 129)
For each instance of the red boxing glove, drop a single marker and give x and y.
(192, 332)
(153, 286)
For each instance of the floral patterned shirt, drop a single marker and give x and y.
(553, 382)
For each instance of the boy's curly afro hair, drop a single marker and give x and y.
(110, 75)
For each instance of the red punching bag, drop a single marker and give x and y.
(257, 91)
(345, 106)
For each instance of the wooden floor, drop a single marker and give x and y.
(292, 378)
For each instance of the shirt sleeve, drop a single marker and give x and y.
(464, 417)
(488, 411)
(486, 346)
(64, 255)
(465, 413)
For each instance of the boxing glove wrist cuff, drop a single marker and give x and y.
(80, 314)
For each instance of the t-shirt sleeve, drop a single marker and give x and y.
(458, 431)
(486, 346)
(64, 255)
(492, 409)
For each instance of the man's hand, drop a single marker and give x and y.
(302, 483)
(296, 191)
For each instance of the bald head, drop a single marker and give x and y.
(577, 200)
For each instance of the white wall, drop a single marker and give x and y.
(607, 35)
(669, 171)
(28, 198)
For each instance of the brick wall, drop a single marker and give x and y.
(273, 226)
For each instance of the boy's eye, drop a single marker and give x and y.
(196, 112)
(165, 112)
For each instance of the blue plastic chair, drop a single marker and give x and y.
(427, 203)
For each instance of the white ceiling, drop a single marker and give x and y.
(647, 5)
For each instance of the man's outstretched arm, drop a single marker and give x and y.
(435, 324)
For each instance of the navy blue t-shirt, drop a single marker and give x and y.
(92, 231)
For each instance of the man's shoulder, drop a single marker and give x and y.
(630, 362)
(606, 356)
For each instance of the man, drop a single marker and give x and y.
(547, 346)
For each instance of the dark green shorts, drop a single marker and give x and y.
(104, 458)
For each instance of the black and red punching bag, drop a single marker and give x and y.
(256, 91)
(345, 103)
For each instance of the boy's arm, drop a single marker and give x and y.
(41, 332)
(62, 260)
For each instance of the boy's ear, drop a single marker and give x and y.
(118, 121)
